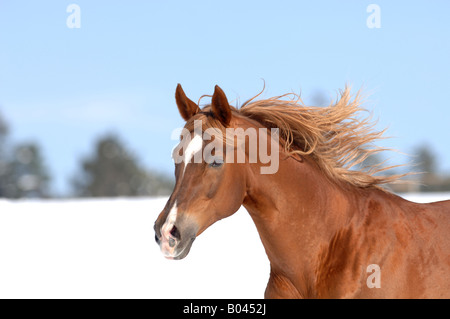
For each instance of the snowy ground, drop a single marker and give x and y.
(106, 249)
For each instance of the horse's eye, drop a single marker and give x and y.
(216, 163)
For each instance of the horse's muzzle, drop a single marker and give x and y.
(174, 244)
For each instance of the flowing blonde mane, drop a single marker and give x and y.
(336, 136)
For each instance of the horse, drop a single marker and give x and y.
(328, 226)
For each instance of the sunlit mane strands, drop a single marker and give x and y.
(335, 136)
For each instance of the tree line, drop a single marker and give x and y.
(110, 170)
(113, 170)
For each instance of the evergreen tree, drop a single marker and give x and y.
(113, 171)
(426, 160)
(4, 183)
(22, 172)
(426, 165)
(29, 175)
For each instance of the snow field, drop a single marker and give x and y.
(105, 248)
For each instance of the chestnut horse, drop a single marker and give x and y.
(329, 230)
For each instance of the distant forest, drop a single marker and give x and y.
(113, 170)
(110, 170)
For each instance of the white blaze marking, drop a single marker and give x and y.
(194, 146)
(165, 232)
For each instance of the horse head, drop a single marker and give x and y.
(207, 188)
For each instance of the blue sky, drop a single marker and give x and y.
(64, 87)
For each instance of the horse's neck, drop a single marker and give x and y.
(296, 212)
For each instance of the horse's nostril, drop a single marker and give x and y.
(174, 232)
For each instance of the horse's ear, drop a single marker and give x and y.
(220, 107)
(186, 107)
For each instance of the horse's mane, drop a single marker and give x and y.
(336, 136)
